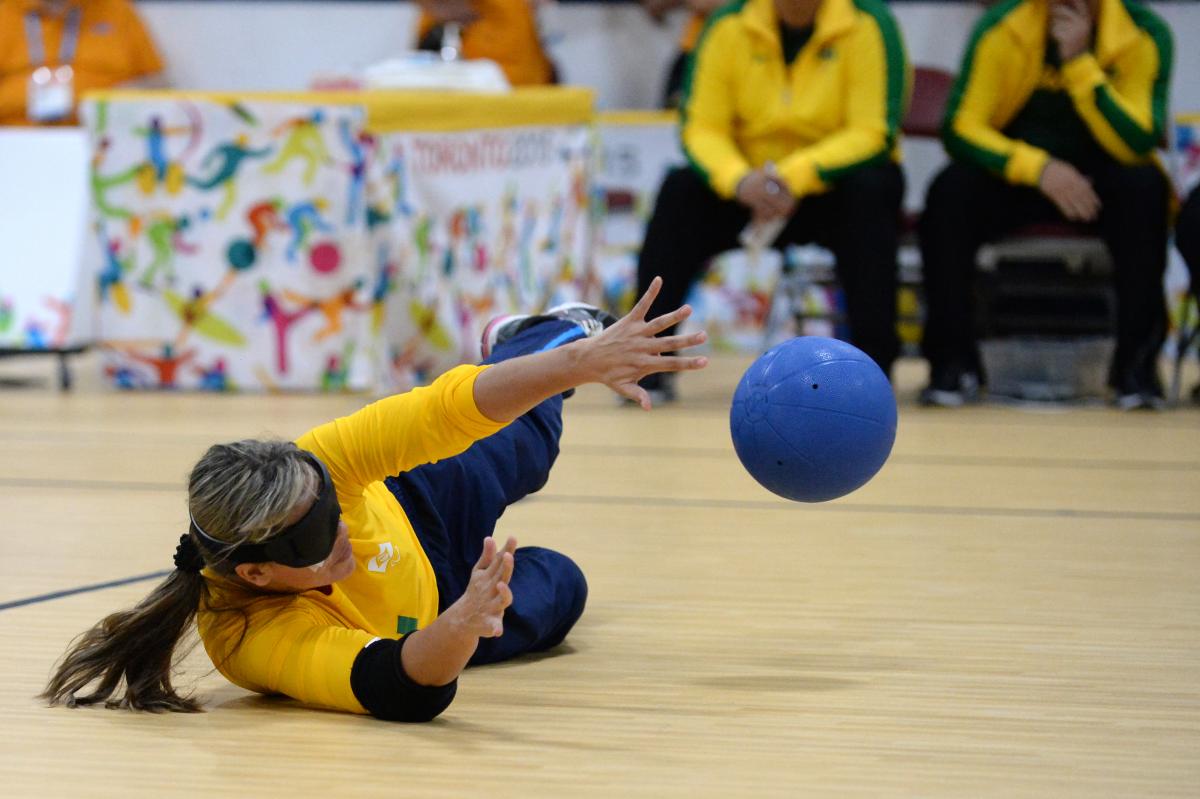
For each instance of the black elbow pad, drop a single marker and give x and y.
(381, 686)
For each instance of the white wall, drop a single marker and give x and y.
(614, 48)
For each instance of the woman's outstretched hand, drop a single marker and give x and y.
(437, 654)
(618, 357)
(480, 610)
(630, 349)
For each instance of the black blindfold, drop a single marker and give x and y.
(304, 543)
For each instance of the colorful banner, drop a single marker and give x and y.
(251, 243)
(228, 242)
(469, 225)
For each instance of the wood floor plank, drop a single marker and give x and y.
(1010, 609)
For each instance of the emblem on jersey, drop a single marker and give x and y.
(386, 557)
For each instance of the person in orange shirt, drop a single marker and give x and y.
(53, 51)
(504, 31)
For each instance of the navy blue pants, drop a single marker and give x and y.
(455, 503)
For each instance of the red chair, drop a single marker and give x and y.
(930, 93)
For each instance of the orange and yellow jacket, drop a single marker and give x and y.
(836, 107)
(113, 48)
(1119, 87)
(505, 32)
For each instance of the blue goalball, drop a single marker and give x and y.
(813, 419)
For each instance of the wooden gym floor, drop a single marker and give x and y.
(1011, 608)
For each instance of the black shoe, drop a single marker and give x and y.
(1139, 392)
(950, 388)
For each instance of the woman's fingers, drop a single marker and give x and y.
(507, 559)
(678, 364)
(643, 305)
(672, 343)
(660, 323)
(506, 567)
(503, 595)
(634, 393)
(487, 556)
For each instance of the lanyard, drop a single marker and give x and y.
(36, 45)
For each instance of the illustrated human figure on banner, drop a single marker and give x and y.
(228, 158)
(112, 274)
(165, 236)
(158, 169)
(303, 219)
(263, 218)
(304, 142)
(332, 308)
(166, 365)
(360, 145)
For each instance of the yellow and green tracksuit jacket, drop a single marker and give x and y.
(836, 107)
(1118, 88)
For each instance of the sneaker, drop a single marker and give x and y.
(499, 330)
(591, 320)
(1138, 401)
(951, 388)
(1145, 393)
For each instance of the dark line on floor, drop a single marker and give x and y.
(919, 460)
(1182, 418)
(634, 450)
(33, 600)
(115, 485)
(851, 507)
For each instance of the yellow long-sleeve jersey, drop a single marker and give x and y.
(1118, 88)
(836, 107)
(304, 645)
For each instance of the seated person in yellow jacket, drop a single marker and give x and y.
(790, 115)
(354, 569)
(52, 51)
(504, 31)
(1055, 116)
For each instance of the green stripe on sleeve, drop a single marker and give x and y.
(1161, 34)
(833, 175)
(897, 73)
(895, 61)
(958, 146)
(1139, 140)
(689, 74)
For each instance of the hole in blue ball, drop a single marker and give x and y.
(814, 386)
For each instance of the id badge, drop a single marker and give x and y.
(51, 94)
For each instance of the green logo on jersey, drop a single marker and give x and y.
(405, 625)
